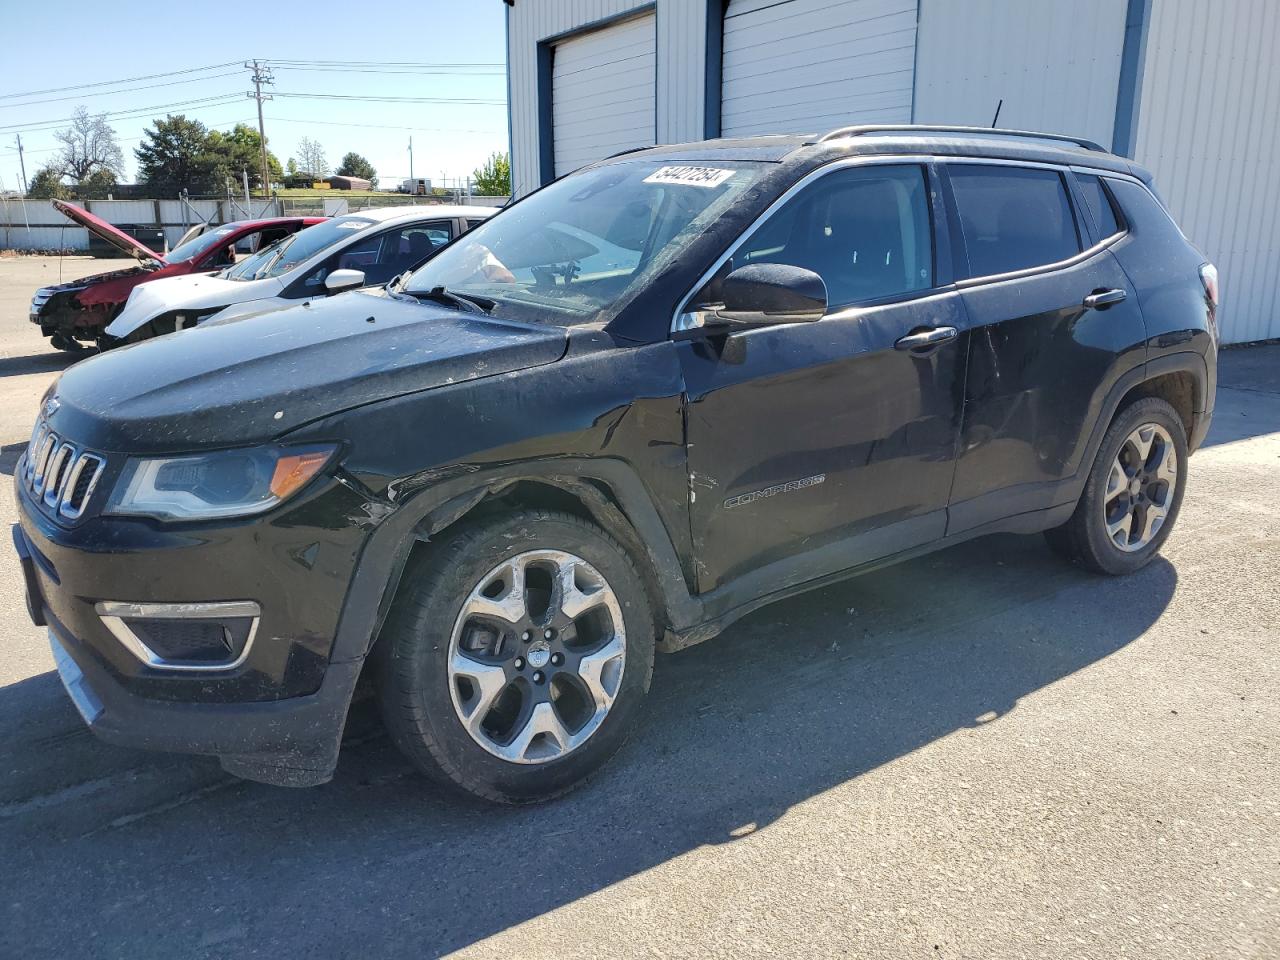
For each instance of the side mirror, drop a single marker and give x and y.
(762, 294)
(340, 280)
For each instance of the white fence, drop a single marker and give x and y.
(36, 225)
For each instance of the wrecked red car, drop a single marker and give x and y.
(74, 314)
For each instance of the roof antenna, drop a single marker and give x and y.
(997, 116)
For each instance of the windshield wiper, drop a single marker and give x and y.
(464, 301)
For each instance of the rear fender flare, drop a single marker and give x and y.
(1185, 362)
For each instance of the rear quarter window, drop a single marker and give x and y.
(1100, 205)
(1013, 218)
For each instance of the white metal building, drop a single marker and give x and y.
(1190, 89)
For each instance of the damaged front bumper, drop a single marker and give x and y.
(275, 709)
(290, 742)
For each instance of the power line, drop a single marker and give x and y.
(384, 126)
(126, 114)
(110, 83)
(395, 72)
(375, 99)
(383, 63)
(110, 93)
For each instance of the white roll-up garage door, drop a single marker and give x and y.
(602, 92)
(807, 66)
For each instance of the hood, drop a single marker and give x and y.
(255, 379)
(106, 231)
(187, 292)
(82, 283)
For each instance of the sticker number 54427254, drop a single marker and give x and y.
(690, 176)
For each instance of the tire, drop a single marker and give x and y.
(61, 341)
(438, 702)
(1087, 539)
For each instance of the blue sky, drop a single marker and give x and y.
(74, 43)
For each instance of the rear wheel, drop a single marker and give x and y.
(517, 656)
(1133, 493)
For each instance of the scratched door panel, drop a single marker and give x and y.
(804, 435)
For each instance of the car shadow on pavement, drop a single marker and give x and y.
(42, 362)
(1248, 397)
(167, 856)
(9, 454)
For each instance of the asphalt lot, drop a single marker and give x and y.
(983, 753)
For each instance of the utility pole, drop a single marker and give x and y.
(411, 158)
(22, 165)
(261, 75)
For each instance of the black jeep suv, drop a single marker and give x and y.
(654, 395)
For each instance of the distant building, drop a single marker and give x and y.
(348, 183)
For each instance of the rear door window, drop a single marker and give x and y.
(1100, 206)
(1013, 218)
(864, 230)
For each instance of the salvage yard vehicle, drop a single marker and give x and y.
(75, 313)
(344, 253)
(639, 403)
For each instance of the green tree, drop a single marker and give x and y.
(241, 148)
(47, 185)
(293, 177)
(180, 154)
(354, 165)
(96, 185)
(493, 179)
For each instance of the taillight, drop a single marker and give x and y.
(1209, 277)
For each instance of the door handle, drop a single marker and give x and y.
(922, 343)
(1104, 298)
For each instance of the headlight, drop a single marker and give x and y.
(225, 483)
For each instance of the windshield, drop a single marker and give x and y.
(283, 255)
(253, 267)
(304, 245)
(198, 245)
(587, 242)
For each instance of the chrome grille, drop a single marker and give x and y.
(41, 298)
(59, 474)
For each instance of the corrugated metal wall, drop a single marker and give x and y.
(603, 97)
(1055, 63)
(1209, 129)
(681, 56)
(808, 66)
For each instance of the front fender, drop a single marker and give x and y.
(387, 549)
(607, 416)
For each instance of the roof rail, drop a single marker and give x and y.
(866, 129)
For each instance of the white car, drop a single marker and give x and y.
(354, 250)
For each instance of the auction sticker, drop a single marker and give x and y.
(690, 176)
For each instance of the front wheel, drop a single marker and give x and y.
(64, 341)
(1133, 494)
(517, 656)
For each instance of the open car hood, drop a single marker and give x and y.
(106, 231)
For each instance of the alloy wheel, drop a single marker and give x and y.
(536, 656)
(1140, 487)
